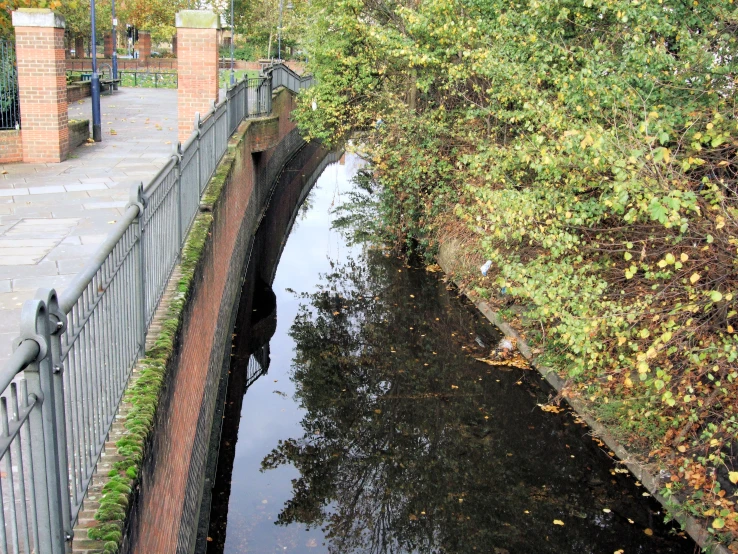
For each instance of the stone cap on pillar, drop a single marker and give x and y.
(37, 17)
(197, 19)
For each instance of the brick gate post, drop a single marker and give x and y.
(144, 45)
(42, 84)
(197, 66)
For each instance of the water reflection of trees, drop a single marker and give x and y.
(407, 442)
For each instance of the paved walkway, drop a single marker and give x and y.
(54, 216)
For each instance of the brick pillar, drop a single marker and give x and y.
(197, 66)
(108, 45)
(144, 45)
(79, 47)
(39, 43)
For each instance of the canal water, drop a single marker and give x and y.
(375, 430)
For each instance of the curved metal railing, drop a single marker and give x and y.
(61, 388)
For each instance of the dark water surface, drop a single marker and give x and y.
(376, 431)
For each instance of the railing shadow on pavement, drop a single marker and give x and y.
(72, 361)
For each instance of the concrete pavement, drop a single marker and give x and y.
(54, 216)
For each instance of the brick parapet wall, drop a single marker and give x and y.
(165, 513)
(77, 91)
(160, 65)
(11, 147)
(197, 68)
(43, 93)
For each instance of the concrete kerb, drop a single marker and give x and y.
(650, 481)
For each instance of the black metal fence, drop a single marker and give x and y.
(9, 104)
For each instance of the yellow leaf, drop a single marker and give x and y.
(683, 257)
(718, 523)
(694, 278)
(682, 448)
(558, 522)
(648, 532)
(733, 476)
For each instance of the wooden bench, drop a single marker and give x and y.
(111, 84)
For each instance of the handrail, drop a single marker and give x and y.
(26, 352)
(74, 290)
(60, 389)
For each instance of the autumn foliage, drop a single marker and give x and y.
(588, 149)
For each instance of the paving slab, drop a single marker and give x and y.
(54, 216)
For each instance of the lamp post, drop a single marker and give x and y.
(233, 35)
(115, 42)
(95, 82)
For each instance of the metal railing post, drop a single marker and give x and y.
(45, 470)
(178, 192)
(137, 199)
(57, 323)
(199, 154)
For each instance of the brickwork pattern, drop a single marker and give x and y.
(144, 45)
(197, 67)
(153, 64)
(78, 91)
(11, 147)
(79, 47)
(43, 93)
(108, 49)
(172, 478)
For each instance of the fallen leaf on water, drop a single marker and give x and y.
(606, 510)
(558, 522)
(413, 517)
(377, 411)
(648, 531)
(550, 408)
(311, 543)
(210, 539)
(621, 551)
(454, 387)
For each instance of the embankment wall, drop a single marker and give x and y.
(165, 510)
